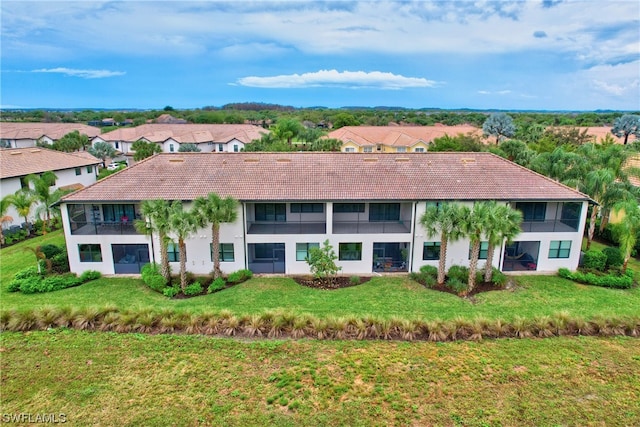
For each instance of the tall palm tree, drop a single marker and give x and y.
(472, 224)
(42, 193)
(627, 230)
(504, 225)
(183, 224)
(215, 210)
(5, 202)
(23, 201)
(157, 214)
(442, 219)
(596, 184)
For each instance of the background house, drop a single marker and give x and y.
(73, 170)
(395, 139)
(25, 135)
(207, 137)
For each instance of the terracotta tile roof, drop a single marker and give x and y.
(55, 131)
(24, 161)
(187, 133)
(325, 177)
(634, 162)
(398, 136)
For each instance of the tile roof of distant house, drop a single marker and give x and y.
(326, 177)
(398, 136)
(55, 131)
(24, 161)
(187, 133)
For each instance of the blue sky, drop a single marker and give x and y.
(512, 55)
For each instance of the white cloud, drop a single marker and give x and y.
(498, 92)
(333, 78)
(86, 74)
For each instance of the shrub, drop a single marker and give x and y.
(15, 284)
(354, 280)
(60, 262)
(499, 278)
(430, 281)
(90, 275)
(50, 251)
(458, 272)
(152, 278)
(34, 285)
(322, 261)
(27, 272)
(595, 260)
(239, 276)
(171, 291)
(149, 269)
(457, 285)
(614, 257)
(605, 280)
(193, 289)
(429, 270)
(216, 285)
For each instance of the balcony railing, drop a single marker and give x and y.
(102, 227)
(371, 227)
(550, 225)
(289, 227)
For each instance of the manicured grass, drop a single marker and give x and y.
(154, 380)
(382, 297)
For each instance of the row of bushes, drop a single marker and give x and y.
(606, 259)
(278, 324)
(151, 276)
(623, 281)
(32, 281)
(457, 277)
(36, 228)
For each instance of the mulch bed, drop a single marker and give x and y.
(338, 282)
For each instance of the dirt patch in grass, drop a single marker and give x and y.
(478, 289)
(337, 282)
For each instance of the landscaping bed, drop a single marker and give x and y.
(338, 282)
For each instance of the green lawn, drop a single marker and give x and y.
(159, 380)
(382, 296)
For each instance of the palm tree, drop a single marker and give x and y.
(504, 225)
(5, 202)
(473, 224)
(215, 210)
(23, 201)
(183, 223)
(157, 214)
(42, 193)
(627, 230)
(596, 184)
(442, 219)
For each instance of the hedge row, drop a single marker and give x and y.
(606, 280)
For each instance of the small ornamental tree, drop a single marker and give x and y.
(499, 125)
(322, 262)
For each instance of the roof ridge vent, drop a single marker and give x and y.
(180, 160)
(283, 160)
(370, 159)
(15, 153)
(35, 151)
(251, 160)
(401, 159)
(466, 160)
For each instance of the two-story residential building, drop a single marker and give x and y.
(73, 171)
(26, 135)
(395, 139)
(367, 206)
(207, 137)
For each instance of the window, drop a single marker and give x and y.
(349, 150)
(401, 150)
(307, 208)
(302, 250)
(117, 144)
(78, 171)
(384, 212)
(173, 252)
(559, 248)
(236, 148)
(23, 182)
(271, 212)
(89, 169)
(368, 149)
(225, 252)
(419, 150)
(350, 252)
(431, 251)
(116, 213)
(348, 207)
(484, 249)
(438, 205)
(90, 253)
(571, 214)
(221, 147)
(171, 149)
(532, 211)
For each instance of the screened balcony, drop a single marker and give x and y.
(550, 217)
(102, 219)
(371, 218)
(286, 218)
